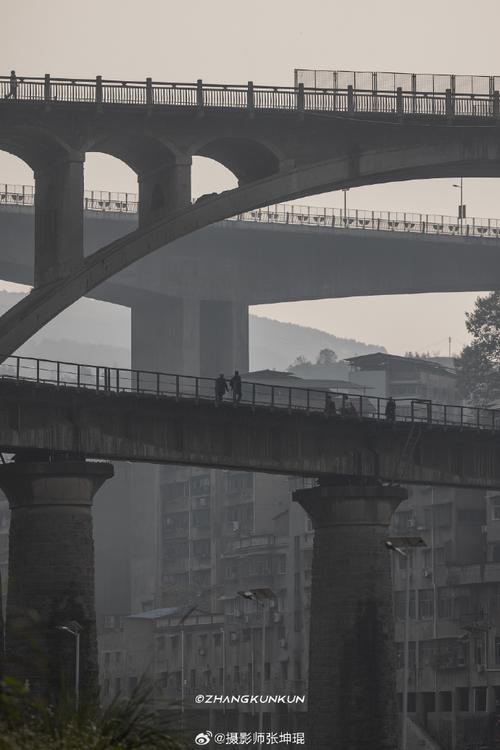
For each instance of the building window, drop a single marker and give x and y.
(400, 605)
(267, 671)
(118, 685)
(118, 657)
(445, 603)
(495, 552)
(425, 604)
(201, 518)
(480, 699)
(192, 678)
(160, 643)
(495, 508)
(284, 670)
(281, 564)
(236, 674)
(107, 657)
(497, 650)
(106, 686)
(217, 639)
(132, 684)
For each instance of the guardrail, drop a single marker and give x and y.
(291, 214)
(332, 404)
(348, 92)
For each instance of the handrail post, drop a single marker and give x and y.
(496, 104)
(98, 89)
(449, 103)
(197, 389)
(118, 380)
(199, 94)
(412, 411)
(149, 91)
(250, 97)
(38, 371)
(478, 420)
(157, 383)
(350, 98)
(47, 94)
(138, 381)
(399, 101)
(78, 376)
(58, 371)
(301, 98)
(378, 407)
(253, 395)
(177, 387)
(18, 367)
(461, 416)
(272, 397)
(97, 378)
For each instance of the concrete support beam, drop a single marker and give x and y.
(186, 336)
(352, 676)
(58, 220)
(51, 574)
(164, 190)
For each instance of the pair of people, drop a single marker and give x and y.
(221, 387)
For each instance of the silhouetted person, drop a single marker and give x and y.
(235, 384)
(220, 388)
(390, 410)
(330, 408)
(13, 86)
(348, 408)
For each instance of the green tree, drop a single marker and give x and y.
(478, 366)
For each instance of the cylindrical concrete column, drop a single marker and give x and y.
(51, 574)
(352, 676)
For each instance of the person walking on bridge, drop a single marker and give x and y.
(13, 86)
(390, 410)
(220, 388)
(235, 384)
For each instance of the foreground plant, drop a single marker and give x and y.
(126, 724)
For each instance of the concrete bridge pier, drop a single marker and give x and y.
(180, 335)
(51, 574)
(58, 219)
(352, 676)
(164, 189)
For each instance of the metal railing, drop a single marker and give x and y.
(332, 404)
(315, 91)
(292, 215)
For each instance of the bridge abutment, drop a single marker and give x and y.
(352, 676)
(164, 190)
(51, 574)
(58, 220)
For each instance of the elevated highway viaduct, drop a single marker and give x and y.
(194, 299)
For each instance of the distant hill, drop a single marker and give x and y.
(99, 333)
(276, 345)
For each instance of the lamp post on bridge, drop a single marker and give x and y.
(403, 546)
(461, 208)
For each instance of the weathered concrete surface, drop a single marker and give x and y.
(126, 427)
(352, 684)
(51, 574)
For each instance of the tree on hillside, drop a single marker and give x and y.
(478, 366)
(326, 357)
(300, 360)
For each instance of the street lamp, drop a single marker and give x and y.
(345, 191)
(402, 546)
(461, 208)
(74, 628)
(260, 595)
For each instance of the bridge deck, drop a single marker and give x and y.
(129, 415)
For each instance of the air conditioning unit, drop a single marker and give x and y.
(236, 525)
(481, 668)
(283, 643)
(201, 651)
(233, 637)
(411, 523)
(202, 502)
(277, 617)
(246, 618)
(427, 573)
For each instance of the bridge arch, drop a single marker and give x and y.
(247, 159)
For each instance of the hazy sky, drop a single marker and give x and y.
(263, 41)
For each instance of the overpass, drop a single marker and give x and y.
(205, 283)
(281, 143)
(53, 415)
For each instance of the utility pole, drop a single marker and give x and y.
(461, 208)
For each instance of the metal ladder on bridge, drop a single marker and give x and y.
(407, 453)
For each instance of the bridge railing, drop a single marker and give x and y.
(332, 91)
(291, 214)
(330, 403)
